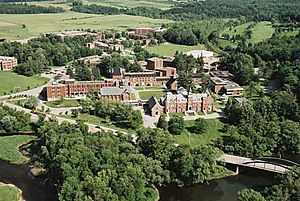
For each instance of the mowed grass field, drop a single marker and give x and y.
(212, 132)
(12, 82)
(11, 26)
(261, 31)
(9, 193)
(146, 95)
(169, 49)
(9, 148)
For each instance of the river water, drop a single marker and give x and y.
(224, 189)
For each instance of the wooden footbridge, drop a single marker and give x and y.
(270, 164)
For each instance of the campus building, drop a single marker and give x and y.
(141, 78)
(227, 87)
(7, 63)
(80, 89)
(91, 61)
(181, 102)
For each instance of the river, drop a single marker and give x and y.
(32, 188)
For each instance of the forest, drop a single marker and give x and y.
(39, 54)
(23, 8)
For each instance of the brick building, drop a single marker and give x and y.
(115, 93)
(182, 102)
(154, 63)
(91, 61)
(141, 78)
(7, 63)
(227, 87)
(75, 89)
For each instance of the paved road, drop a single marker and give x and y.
(34, 118)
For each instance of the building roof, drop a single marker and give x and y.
(200, 53)
(6, 58)
(221, 74)
(154, 59)
(112, 91)
(152, 102)
(140, 73)
(183, 96)
(232, 86)
(117, 71)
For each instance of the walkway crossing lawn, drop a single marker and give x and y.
(62, 103)
(9, 148)
(9, 193)
(45, 23)
(146, 95)
(212, 132)
(12, 82)
(169, 49)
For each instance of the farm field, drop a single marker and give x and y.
(169, 49)
(12, 82)
(11, 26)
(212, 132)
(9, 146)
(9, 192)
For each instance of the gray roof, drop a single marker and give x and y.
(152, 102)
(111, 91)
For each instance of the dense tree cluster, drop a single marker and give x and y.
(27, 9)
(119, 113)
(269, 125)
(192, 33)
(287, 190)
(39, 53)
(13, 121)
(255, 10)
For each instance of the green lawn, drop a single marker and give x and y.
(211, 133)
(156, 87)
(261, 31)
(9, 148)
(9, 193)
(145, 95)
(12, 82)
(289, 33)
(169, 49)
(62, 103)
(11, 24)
(132, 96)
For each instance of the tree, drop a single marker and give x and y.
(176, 125)
(75, 112)
(250, 195)
(199, 126)
(162, 122)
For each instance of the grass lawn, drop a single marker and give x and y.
(11, 24)
(156, 87)
(62, 103)
(9, 146)
(9, 193)
(212, 132)
(289, 33)
(169, 49)
(261, 31)
(145, 95)
(132, 96)
(12, 82)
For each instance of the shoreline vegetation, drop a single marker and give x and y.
(10, 192)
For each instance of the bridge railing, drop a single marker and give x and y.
(268, 163)
(279, 161)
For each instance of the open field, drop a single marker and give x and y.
(36, 24)
(62, 103)
(145, 95)
(9, 193)
(9, 146)
(261, 31)
(169, 49)
(212, 132)
(113, 3)
(12, 82)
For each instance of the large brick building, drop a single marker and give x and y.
(154, 63)
(7, 63)
(182, 102)
(141, 78)
(91, 61)
(80, 89)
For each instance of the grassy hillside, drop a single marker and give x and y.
(12, 82)
(169, 49)
(261, 31)
(11, 26)
(9, 146)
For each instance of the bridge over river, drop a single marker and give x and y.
(271, 164)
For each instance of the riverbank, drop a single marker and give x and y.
(10, 192)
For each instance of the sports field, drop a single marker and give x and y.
(11, 26)
(12, 82)
(169, 49)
